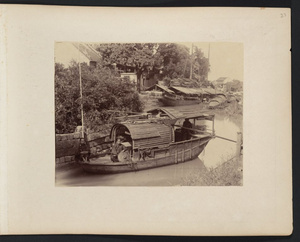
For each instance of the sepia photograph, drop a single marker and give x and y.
(148, 114)
(146, 121)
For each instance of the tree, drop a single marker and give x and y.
(103, 91)
(201, 65)
(67, 110)
(162, 59)
(175, 59)
(141, 56)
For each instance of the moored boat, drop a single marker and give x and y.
(217, 101)
(179, 96)
(178, 100)
(153, 142)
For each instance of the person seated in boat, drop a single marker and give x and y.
(186, 133)
(116, 149)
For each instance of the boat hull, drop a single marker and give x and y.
(178, 102)
(176, 153)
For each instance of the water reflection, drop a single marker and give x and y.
(219, 150)
(164, 176)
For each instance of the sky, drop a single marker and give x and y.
(226, 59)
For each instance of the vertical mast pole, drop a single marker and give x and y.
(208, 60)
(80, 84)
(191, 72)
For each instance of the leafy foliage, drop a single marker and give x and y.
(141, 56)
(201, 65)
(158, 60)
(175, 60)
(103, 91)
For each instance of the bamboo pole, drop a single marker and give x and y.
(192, 55)
(220, 137)
(238, 144)
(81, 96)
(199, 77)
(208, 55)
(213, 127)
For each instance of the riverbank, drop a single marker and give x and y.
(228, 173)
(233, 111)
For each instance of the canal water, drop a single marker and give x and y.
(216, 152)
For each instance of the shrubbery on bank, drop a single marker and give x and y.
(103, 91)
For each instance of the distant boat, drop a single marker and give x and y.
(217, 101)
(178, 96)
(156, 141)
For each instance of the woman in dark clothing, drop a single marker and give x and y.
(186, 133)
